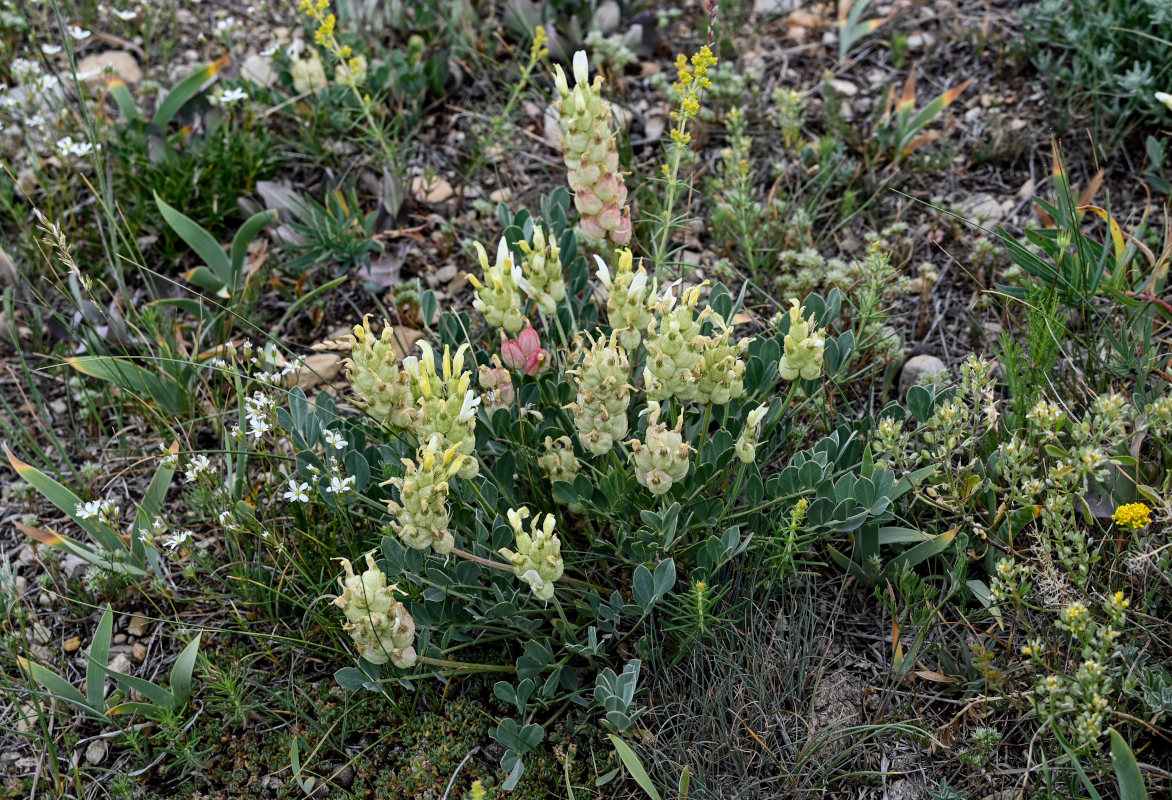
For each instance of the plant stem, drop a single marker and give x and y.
(446, 664)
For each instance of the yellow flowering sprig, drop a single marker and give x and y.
(350, 70)
(691, 81)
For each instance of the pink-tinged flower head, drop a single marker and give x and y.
(525, 353)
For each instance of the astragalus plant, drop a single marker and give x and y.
(557, 460)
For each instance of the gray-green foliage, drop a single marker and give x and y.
(1104, 53)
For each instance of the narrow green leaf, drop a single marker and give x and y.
(1131, 782)
(124, 100)
(925, 550)
(152, 501)
(634, 766)
(136, 380)
(153, 692)
(60, 496)
(95, 680)
(188, 88)
(244, 236)
(198, 240)
(57, 686)
(181, 673)
(204, 278)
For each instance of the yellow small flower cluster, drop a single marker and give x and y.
(538, 49)
(1132, 515)
(319, 12)
(691, 80)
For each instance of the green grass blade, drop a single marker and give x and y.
(152, 503)
(134, 379)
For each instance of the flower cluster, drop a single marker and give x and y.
(416, 397)
(373, 370)
(746, 446)
(691, 80)
(675, 346)
(380, 625)
(309, 75)
(538, 558)
(351, 69)
(421, 516)
(445, 404)
(105, 512)
(525, 353)
(803, 347)
(1080, 702)
(603, 394)
(542, 269)
(591, 154)
(1132, 515)
(630, 298)
(496, 384)
(498, 298)
(661, 460)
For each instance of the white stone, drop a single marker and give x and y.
(916, 368)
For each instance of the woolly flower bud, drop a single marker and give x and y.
(373, 370)
(542, 270)
(590, 153)
(721, 371)
(629, 299)
(675, 347)
(600, 408)
(380, 625)
(308, 74)
(445, 403)
(497, 385)
(498, 298)
(746, 446)
(803, 348)
(421, 515)
(538, 559)
(662, 458)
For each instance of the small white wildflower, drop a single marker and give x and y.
(87, 511)
(298, 492)
(229, 96)
(340, 485)
(172, 542)
(79, 33)
(334, 439)
(125, 16)
(199, 465)
(51, 49)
